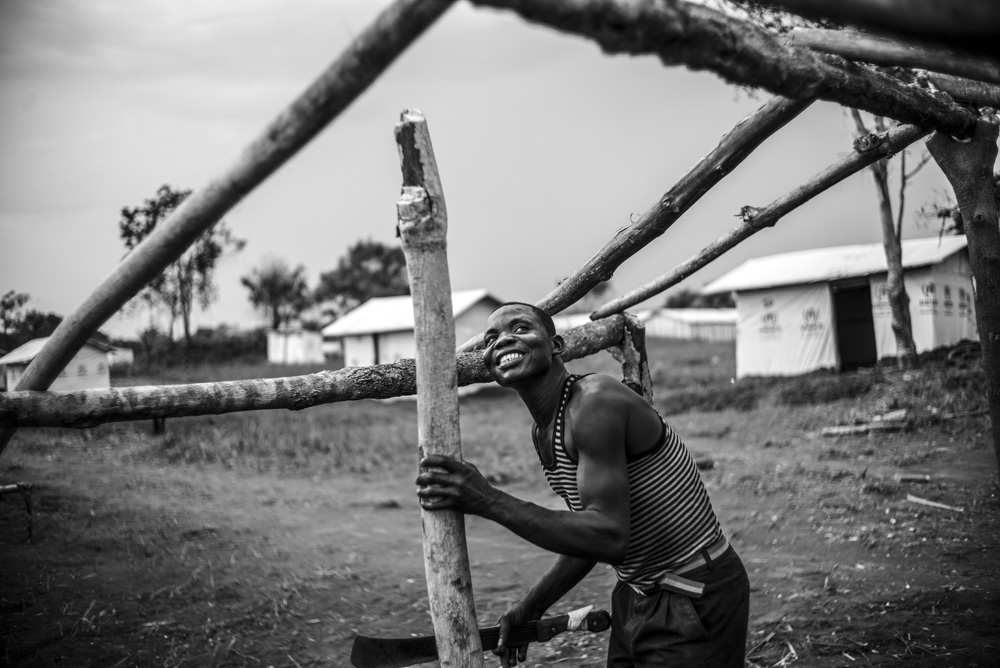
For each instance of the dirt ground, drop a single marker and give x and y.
(138, 564)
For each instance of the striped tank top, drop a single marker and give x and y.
(671, 515)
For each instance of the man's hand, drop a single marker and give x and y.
(448, 483)
(518, 614)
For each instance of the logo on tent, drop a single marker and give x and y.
(767, 302)
(811, 324)
(928, 301)
(769, 327)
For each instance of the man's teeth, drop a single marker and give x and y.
(510, 357)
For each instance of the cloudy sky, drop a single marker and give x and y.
(546, 147)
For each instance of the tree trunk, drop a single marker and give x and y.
(899, 301)
(968, 167)
(422, 228)
(895, 287)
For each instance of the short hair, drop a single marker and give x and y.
(550, 326)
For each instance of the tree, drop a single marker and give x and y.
(892, 232)
(188, 280)
(685, 298)
(279, 292)
(368, 269)
(10, 308)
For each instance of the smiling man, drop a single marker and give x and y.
(635, 501)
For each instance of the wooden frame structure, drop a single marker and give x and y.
(955, 100)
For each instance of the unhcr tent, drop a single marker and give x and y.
(827, 307)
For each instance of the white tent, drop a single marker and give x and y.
(88, 369)
(294, 346)
(827, 307)
(381, 330)
(704, 324)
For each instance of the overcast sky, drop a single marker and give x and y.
(546, 147)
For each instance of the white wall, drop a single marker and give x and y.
(294, 347)
(785, 331)
(942, 309)
(87, 370)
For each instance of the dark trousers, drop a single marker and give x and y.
(670, 630)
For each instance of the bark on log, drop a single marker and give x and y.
(741, 52)
(741, 141)
(631, 354)
(423, 223)
(878, 50)
(873, 148)
(968, 166)
(89, 408)
(967, 25)
(349, 76)
(965, 90)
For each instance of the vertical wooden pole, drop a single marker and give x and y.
(968, 166)
(423, 223)
(631, 354)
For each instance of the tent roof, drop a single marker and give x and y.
(692, 315)
(27, 351)
(394, 314)
(819, 265)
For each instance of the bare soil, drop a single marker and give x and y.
(134, 562)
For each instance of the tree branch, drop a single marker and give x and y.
(359, 65)
(741, 52)
(741, 141)
(968, 25)
(869, 150)
(89, 408)
(878, 50)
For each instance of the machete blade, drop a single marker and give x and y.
(392, 652)
(370, 652)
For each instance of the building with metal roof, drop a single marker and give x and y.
(828, 307)
(382, 330)
(88, 369)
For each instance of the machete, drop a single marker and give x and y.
(398, 652)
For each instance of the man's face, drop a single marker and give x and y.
(517, 345)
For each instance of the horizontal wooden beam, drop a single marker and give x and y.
(88, 408)
(743, 53)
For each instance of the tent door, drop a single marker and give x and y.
(852, 307)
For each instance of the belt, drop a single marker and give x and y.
(673, 581)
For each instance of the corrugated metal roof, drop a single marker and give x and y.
(27, 351)
(819, 265)
(394, 314)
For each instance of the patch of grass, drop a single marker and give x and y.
(824, 387)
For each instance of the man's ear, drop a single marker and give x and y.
(558, 345)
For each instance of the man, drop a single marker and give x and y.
(635, 498)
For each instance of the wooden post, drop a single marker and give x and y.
(968, 167)
(423, 222)
(631, 354)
